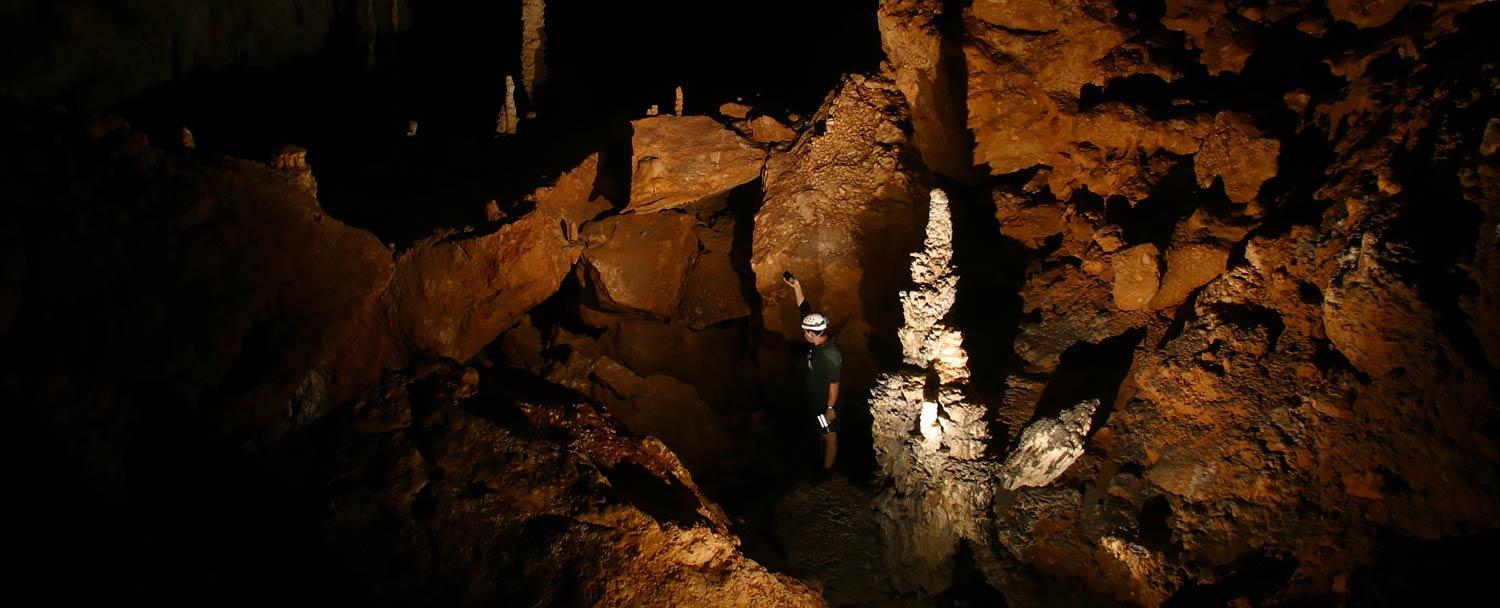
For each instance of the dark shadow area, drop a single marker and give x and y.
(1255, 577)
(1090, 371)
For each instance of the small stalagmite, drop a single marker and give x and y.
(678, 107)
(291, 161)
(187, 139)
(505, 124)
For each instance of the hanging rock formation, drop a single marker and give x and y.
(533, 47)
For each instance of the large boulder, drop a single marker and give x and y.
(638, 263)
(841, 212)
(680, 160)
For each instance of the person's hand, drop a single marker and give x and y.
(830, 415)
(792, 281)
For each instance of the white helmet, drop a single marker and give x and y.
(815, 322)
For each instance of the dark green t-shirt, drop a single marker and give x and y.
(823, 364)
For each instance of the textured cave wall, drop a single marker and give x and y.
(1276, 221)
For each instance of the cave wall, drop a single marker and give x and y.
(1272, 219)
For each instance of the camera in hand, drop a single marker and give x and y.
(786, 275)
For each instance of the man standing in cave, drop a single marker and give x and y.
(823, 366)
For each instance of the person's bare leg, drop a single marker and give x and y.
(830, 449)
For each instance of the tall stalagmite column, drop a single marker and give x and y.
(939, 487)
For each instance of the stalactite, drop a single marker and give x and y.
(371, 29)
(533, 47)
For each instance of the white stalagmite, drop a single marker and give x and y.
(679, 101)
(505, 124)
(929, 440)
(1048, 447)
(533, 47)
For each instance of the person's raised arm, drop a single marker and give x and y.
(796, 287)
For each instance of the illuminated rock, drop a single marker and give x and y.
(680, 160)
(533, 47)
(1047, 448)
(638, 263)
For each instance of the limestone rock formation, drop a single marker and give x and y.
(639, 263)
(577, 196)
(734, 110)
(1047, 448)
(840, 213)
(680, 160)
(452, 294)
(533, 47)
(1028, 63)
(937, 483)
(440, 494)
(927, 70)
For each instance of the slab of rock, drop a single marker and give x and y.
(1047, 448)
(1236, 151)
(768, 130)
(1189, 267)
(734, 110)
(638, 263)
(679, 160)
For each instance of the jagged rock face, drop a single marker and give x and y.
(442, 497)
(927, 70)
(1029, 62)
(839, 213)
(175, 272)
(681, 160)
(1310, 359)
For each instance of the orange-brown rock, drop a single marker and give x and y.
(1030, 223)
(713, 360)
(638, 263)
(714, 292)
(1366, 13)
(457, 498)
(452, 294)
(734, 110)
(579, 195)
(767, 130)
(841, 212)
(650, 406)
(680, 160)
(1236, 151)
(1136, 276)
(927, 71)
(1215, 30)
